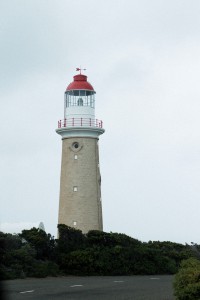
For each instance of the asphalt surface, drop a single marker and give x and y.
(91, 288)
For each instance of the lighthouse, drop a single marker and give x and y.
(80, 181)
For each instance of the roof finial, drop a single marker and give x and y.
(79, 69)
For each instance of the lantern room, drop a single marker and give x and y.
(80, 92)
(79, 99)
(79, 110)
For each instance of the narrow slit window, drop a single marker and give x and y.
(75, 156)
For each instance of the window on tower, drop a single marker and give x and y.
(75, 145)
(75, 188)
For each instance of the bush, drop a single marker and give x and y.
(43, 269)
(34, 253)
(187, 280)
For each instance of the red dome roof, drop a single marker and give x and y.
(80, 83)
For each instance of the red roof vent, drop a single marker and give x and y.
(80, 83)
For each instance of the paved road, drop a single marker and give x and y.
(91, 288)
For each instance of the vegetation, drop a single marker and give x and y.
(34, 253)
(187, 280)
(29, 254)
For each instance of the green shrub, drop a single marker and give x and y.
(187, 280)
(13, 272)
(45, 268)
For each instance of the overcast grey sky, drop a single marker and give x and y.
(143, 59)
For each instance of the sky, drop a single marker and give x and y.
(143, 60)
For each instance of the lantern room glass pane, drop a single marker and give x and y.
(80, 102)
(80, 98)
(76, 93)
(82, 92)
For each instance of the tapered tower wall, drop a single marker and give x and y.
(80, 184)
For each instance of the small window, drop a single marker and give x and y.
(75, 156)
(74, 223)
(75, 145)
(75, 188)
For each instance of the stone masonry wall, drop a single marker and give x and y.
(80, 170)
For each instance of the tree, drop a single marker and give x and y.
(43, 243)
(70, 239)
(105, 239)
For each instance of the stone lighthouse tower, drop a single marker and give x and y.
(80, 181)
